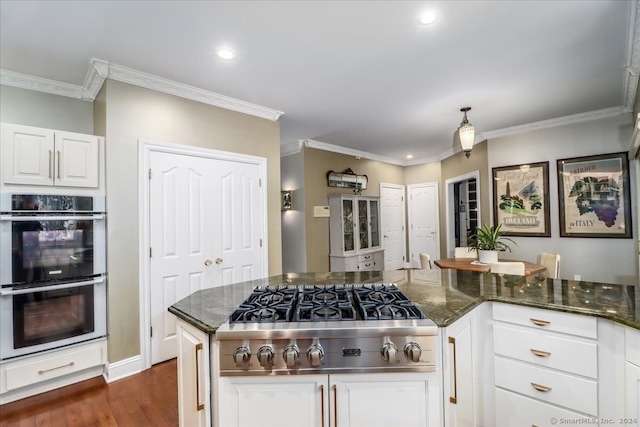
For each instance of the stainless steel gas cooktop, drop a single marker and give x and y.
(337, 328)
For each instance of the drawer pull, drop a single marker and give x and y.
(42, 371)
(322, 404)
(541, 388)
(540, 322)
(540, 353)
(199, 406)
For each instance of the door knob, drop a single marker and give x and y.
(218, 260)
(208, 263)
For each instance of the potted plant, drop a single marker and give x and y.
(488, 240)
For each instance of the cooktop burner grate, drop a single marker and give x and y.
(326, 303)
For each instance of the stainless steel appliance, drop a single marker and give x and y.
(38, 318)
(326, 329)
(51, 237)
(52, 272)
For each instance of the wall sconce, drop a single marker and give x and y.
(466, 133)
(286, 200)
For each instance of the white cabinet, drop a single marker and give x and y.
(194, 400)
(354, 233)
(355, 400)
(45, 157)
(535, 365)
(465, 373)
(632, 377)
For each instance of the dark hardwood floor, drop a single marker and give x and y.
(149, 398)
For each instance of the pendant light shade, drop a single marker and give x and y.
(466, 133)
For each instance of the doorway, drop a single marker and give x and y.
(462, 206)
(203, 223)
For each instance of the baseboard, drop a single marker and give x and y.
(123, 368)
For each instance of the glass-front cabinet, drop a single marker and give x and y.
(355, 233)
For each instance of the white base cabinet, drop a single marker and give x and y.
(536, 364)
(194, 396)
(46, 157)
(371, 261)
(465, 366)
(345, 400)
(632, 377)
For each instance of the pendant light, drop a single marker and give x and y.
(466, 133)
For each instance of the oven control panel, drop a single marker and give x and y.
(325, 355)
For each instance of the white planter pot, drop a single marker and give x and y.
(487, 257)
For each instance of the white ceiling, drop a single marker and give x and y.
(358, 74)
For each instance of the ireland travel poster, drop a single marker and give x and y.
(521, 199)
(594, 196)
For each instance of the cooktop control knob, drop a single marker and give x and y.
(290, 355)
(389, 352)
(241, 356)
(265, 356)
(315, 355)
(413, 351)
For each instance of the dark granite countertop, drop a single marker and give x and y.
(443, 295)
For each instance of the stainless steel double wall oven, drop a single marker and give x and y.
(52, 272)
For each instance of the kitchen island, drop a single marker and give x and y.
(469, 309)
(443, 295)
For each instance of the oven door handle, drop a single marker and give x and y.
(8, 292)
(51, 217)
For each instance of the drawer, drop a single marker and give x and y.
(53, 365)
(573, 393)
(366, 257)
(366, 265)
(517, 410)
(551, 351)
(547, 320)
(632, 345)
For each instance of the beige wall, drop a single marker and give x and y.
(128, 113)
(316, 165)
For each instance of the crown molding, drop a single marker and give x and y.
(291, 148)
(350, 152)
(100, 70)
(559, 121)
(632, 68)
(138, 78)
(25, 81)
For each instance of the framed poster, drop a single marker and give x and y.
(521, 199)
(594, 196)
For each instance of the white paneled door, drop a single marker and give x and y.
(392, 214)
(424, 221)
(205, 230)
(237, 222)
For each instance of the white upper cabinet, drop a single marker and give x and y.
(45, 157)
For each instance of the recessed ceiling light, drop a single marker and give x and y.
(409, 156)
(225, 53)
(428, 18)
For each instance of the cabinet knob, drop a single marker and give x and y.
(208, 263)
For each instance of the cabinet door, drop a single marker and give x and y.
(193, 376)
(374, 223)
(348, 225)
(27, 155)
(363, 224)
(76, 160)
(275, 401)
(632, 414)
(459, 374)
(390, 399)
